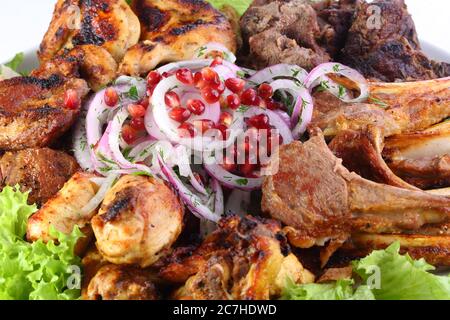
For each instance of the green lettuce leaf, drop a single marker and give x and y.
(15, 63)
(34, 270)
(239, 5)
(401, 277)
(338, 290)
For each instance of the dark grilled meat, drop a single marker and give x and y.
(107, 23)
(390, 51)
(172, 30)
(282, 31)
(43, 171)
(32, 112)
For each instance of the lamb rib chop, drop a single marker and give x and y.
(320, 200)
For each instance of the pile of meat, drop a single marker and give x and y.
(377, 38)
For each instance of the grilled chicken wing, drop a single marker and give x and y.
(113, 282)
(245, 258)
(63, 211)
(89, 62)
(43, 171)
(173, 30)
(32, 112)
(110, 24)
(138, 221)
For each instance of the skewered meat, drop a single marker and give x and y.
(91, 63)
(360, 152)
(320, 200)
(43, 171)
(421, 158)
(282, 31)
(172, 30)
(245, 258)
(389, 51)
(32, 110)
(63, 211)
(397, 108)
(110, 24)
(435, 249)
(138, 221)
(114, 282)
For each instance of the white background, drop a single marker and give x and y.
(24, 22)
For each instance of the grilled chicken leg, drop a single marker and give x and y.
(314, 194)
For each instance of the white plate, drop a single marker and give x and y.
(431, 51)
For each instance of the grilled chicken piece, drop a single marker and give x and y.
(421, 158)
(138, 222)
(172, 30)
(91, 63)
(435, 249)
(63, 211)
(320, 200)
(397, 108)
(113, 282)
(110, 24)
(32, 112)
(360, 152)
(42, 171)
(245, 258)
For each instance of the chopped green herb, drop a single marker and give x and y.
(341, 91)
(133, 93)
(243, 109)
(336, 68)
(201, 51)
(241, 74)
(295, 72)
(142, 173)
(242, 182)
(323, 86)
(378, 102)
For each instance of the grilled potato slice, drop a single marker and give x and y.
(173, 30)
(110, 24)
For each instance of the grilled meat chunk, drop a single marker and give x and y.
(173, 30)
(320, 200)
(43, 171)
(63, 211)
(89, 62)
(388, 51)
(245, 258)
(395, 108)
(113, 282)
(110, 24)
(138, 221)
(32, 111)
(282, 31)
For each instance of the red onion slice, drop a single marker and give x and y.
(278, 71)
(214, 46)
(337, 68)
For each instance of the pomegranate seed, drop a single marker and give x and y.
(223, 130)
(144, 102)
(233, 101)
(167, 74)
(179, 114)
(184, 75)
(247, 170)
(273, 105)
(172, 99)
(248, 97)
(226, 119)
(186, 130)
(260, 121)
(197, 78)
(111, 97)
(210, 76)
(235, 85)
(129, 134)
(210, 95)
(136, 110)
(217, 61)
(265, 91)
(219, 87)
(260, 102)
(71, 99)
(137, 123)
(203, 125)
(195, 106)
(153, 78)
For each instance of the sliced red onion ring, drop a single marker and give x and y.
(100, 195)
(230, 180)
(337, 68)
(192, 65)
(214, 46)
(192, 201)
(81, 148)
(218, 198)
(278, 71)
